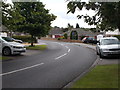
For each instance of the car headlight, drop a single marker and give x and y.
(17, 47)
(105, 49)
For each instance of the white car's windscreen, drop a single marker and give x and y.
(109, 41)
(8, 39)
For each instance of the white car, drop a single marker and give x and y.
(108, 46)
(8, 46)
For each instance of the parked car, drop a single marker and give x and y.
(89, 40)
(9, 46)
(108, 46)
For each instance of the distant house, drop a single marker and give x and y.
(56, 32)
(82, 32)
(3, 30)
(111, 33)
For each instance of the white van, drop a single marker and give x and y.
(8, 46)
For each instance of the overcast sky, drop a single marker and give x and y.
(59, 8)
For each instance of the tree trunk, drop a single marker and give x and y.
(32, 38)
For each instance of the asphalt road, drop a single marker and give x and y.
(53, 68)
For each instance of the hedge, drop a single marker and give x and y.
(25, 38)
(118, 36)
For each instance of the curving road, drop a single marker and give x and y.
(53, 68)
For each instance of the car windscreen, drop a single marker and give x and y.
(8, 39)
(109, 41)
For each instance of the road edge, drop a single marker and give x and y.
(85, 72)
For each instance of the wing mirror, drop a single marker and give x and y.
(98, 43)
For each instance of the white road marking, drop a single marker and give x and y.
(68, 50)
(21, 69)
(101, 59)
(66, 46)
(61, 56)
(60, 44)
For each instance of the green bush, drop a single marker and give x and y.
(65, 36)
(118, 36)
(25, 38)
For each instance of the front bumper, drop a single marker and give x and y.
(106, 53)
(17, 51)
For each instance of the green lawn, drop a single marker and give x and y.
(104, 76)
(37, 47)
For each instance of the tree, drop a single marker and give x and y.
(69, 26)
(37, 19)
(77, 25)
(106, 17)
(10, 16)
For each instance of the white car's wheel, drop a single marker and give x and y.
(97, 52)
(6, 51)
(101, 55)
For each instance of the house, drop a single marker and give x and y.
(3, 30)
(82, 32)
(112, 33)
(56, 32)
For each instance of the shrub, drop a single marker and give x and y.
(65, 36)
(25, 38)
(60, 38)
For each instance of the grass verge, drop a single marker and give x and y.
(37, 47)
(4, 58)
(103, 76)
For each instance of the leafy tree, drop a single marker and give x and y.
(37, 19)
(69, 26)
(77, 25)
(106, 17)
(10, 16)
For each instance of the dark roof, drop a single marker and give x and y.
(54, 31)
(82, 32)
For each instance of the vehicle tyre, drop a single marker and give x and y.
(6, 51)
(101, 56)
(97, 52)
